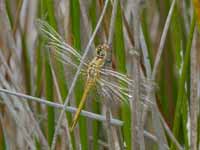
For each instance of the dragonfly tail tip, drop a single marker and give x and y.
(71, 129)
(72, 126)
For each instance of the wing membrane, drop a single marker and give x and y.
(122, 86)
(124, 79)
(58, 45)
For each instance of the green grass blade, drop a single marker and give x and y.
(119, 51)
(183, 77)
(76, 34)
(26, 64)
(8, 9)
(47, 9)
(49, 96)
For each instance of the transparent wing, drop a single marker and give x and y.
(113, 93)
(67, 61)
(123, 87)
(62, 51)
(124, 79)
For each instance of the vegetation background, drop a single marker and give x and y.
(163, 32)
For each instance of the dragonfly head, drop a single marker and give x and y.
(101, 51)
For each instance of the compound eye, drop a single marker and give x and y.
(98, 52)
(101, 51)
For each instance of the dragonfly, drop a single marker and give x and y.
(111, 83)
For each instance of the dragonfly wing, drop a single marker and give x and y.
(115, 94)
(123, 86)
(124, 79)
(58, 45)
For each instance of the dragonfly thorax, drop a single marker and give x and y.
(93, 71)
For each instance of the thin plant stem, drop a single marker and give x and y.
(90, 115)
